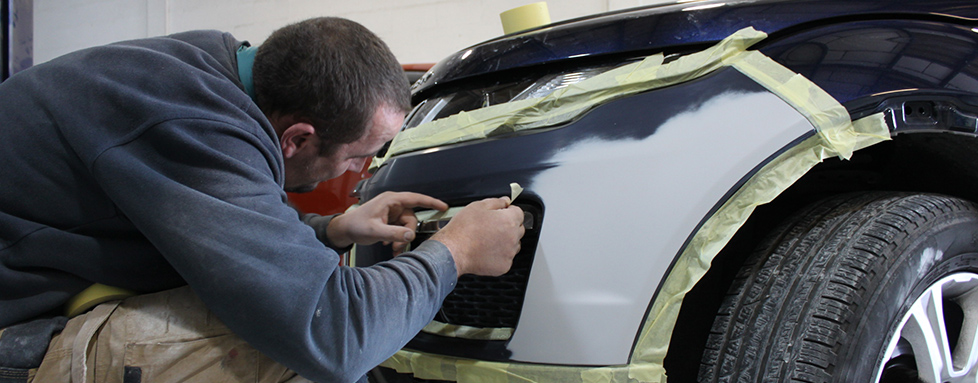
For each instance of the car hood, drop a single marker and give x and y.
(652, 29)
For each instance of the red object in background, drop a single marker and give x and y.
(415, 69)
(333, 196)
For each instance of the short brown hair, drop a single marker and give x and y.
(330, 72)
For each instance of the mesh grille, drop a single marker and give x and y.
(479, 301)
(489, 301)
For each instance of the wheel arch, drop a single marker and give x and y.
(937, 153)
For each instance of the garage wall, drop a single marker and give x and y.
(417, 31)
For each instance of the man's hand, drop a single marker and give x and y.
(484, 237)
(388, 218)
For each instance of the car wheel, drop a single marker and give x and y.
(871, 287)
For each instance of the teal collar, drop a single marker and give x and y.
(246, 59)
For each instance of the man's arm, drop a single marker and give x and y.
(203, 193)
(483, 237)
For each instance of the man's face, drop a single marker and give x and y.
(304, 172)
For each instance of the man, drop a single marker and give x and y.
(152, 164)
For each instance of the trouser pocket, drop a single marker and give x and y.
(224, 358)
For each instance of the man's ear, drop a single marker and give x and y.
(297, 137)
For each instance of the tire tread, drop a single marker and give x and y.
(839, 247)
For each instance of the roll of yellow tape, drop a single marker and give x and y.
(525, 17)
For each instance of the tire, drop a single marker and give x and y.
(837, 295)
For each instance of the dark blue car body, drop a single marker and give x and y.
(913, 63)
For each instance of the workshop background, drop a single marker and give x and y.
(418, 31)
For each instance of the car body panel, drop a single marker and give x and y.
(720, 139)
(653, 29)
(719, 125)
(851, 60)
(639, 194)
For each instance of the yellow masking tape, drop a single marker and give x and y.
(836, 136)
(435, 367)
(515, 191)
(435, 215)
(466, 332)
(831, 120)
(351, 259)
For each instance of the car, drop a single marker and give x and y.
(761, 191)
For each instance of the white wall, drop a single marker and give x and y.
(418, 31)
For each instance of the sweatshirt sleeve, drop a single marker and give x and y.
(204, 193)
(318, 223)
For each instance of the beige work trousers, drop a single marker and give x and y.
(163, 337)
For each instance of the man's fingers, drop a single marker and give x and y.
(412, 200)
(408, 235)
(494, 203)
(394, 234)
(408, 220)
(517, 214)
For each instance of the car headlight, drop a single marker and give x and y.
(463, 101)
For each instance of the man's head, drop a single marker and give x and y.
(306, 164)
(333, 75)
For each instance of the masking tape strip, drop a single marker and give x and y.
(836, 136)
(426, 216)
(565, 104)
(467, 332)
(429, 366)
(351, 259)
(830, 119)
(515, 191)
(435, 215)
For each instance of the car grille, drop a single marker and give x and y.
(494, 302)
